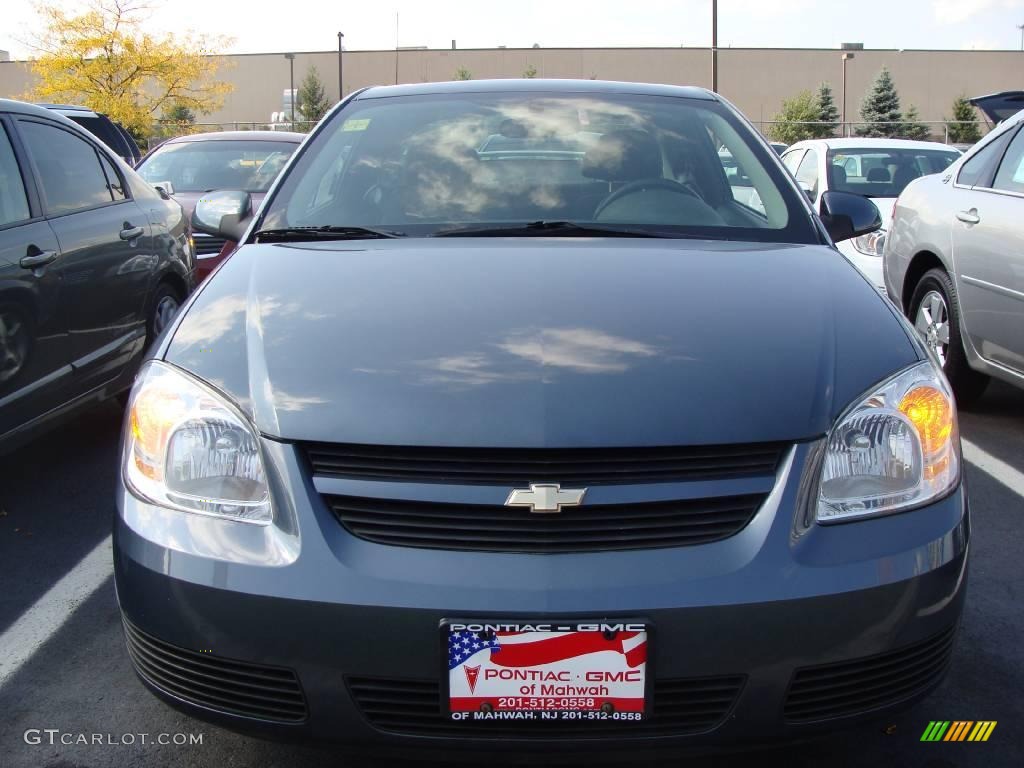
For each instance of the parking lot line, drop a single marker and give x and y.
(997, 468)
(48, 614)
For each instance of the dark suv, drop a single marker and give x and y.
(93, 263)
(103, 128)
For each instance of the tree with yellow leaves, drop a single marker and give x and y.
(101, 58)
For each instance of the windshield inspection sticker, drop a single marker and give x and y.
(354, 124)
(575, 671)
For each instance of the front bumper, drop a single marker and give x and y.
(357, 622)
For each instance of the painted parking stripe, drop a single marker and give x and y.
(997, 468)
(49, 613)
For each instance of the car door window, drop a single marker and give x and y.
(807, 172)
(13, 200)
(1010, 176)
(791, 159)
(114, 183)
(977, 170)
(69, 168)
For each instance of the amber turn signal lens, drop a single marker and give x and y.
(931, 412)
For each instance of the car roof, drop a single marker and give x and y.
(523, 84)
(69, 108)
(287, 136)
(858, 143)
(25, 108)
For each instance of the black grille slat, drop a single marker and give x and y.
(413, 707)
(503, 466)
(207, 245)
(227, 685)
(607, 527)
(851, 687)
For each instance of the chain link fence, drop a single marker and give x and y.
(943, 131)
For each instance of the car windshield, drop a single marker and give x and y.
(495, 162)
(881, 172)
(200, 166)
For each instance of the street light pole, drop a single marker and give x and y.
(1021, 28)
(341, 72)
(714, 45)
(846, 126)
(291, 81)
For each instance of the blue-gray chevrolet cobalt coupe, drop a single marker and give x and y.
(539, 416)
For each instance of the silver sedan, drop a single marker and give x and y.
(954, 262)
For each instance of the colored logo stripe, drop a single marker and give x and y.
(958, 730)
(982, 730)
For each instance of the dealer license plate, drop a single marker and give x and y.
(500, 670)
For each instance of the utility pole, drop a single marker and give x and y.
(714, 45)
(846, 127)
(291, 80)
(341, 72)
(1021, 28)
(396, 47)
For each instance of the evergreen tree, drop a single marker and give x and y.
(828, 113)
(881, 109)
(913, 128)
(797, 120)
(311, 101)
(963, 126)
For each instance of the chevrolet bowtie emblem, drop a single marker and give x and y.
(545, 497)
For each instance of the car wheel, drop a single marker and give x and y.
(14, 342)
(936, 316)
(165, 305)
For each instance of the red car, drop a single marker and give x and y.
(188, 166)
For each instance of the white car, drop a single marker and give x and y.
(876, 168)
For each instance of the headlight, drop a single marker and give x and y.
(871, 244)
(188, 448)
(895, 449)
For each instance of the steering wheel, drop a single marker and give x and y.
(643, 185)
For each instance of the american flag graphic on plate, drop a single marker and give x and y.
(575, 671)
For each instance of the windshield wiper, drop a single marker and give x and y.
(553, 228)
(287, 234)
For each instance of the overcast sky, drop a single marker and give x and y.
(304, 25)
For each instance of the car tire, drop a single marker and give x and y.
(935, 313)
(165, 305)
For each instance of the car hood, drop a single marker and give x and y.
(540, 342)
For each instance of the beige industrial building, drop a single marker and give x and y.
(755, 79)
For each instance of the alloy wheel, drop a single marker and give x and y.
(932, 322)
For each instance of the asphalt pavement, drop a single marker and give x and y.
(76, 685)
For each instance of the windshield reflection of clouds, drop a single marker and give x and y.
(445, 177)
(576, 350)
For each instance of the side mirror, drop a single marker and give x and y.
(223, 214)
(165, 188)
(808, 191)
(846, 215)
